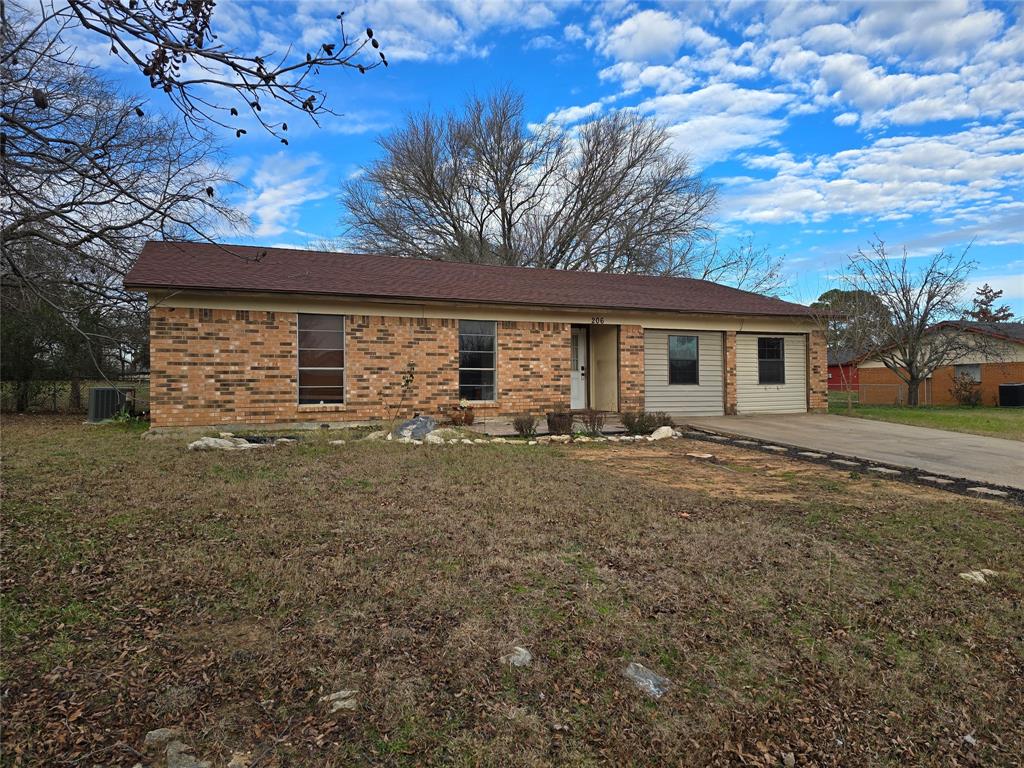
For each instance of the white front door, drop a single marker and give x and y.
(578, 387)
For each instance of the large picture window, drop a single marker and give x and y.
(476, 359)
(321, 359)
(682, 360)
(771, 361)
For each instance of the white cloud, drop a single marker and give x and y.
(711, 123)
(569, 115)
(966, 176)
(279, 187)
(647, 36)
(846, 118)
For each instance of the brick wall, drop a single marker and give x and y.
(817, 372)
(232, 366)
(631, 368)
(880, 386)
(729, 363)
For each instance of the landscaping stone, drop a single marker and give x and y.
(479, 441)
(433, 438)
(936, 480)
(981, 490)
(717, 438)
(560, 438)
(221, 444)
(976, 577)
(466, 441)
(662, 433)
(519, 657)
(158, 738)
(845, 463)
(811, 455)
(447, 433)
(581, 439)
(337, 442)
(776, 448)
(379, 434)
(531, 442)
(704, 456)
(285, 441)
(415, 428)
(179, 756)
(743, 442)
(651, 683)
(885, 471)
(339, 700)
(499, 440)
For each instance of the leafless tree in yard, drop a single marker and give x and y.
(87, 175)
(748, 266)
(175, 45)
(482, 186)
(915, 301)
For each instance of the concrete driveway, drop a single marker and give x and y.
(983, 459)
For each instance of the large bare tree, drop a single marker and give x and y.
(87, 174)
(916, 299)
(481, 185)
(174, 44)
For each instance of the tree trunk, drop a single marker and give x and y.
(21, 398)
(75, 394)
(913, 387)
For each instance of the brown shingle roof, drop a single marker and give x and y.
(205, 266)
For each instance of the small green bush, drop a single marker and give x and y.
(640, 423)
(525, 424)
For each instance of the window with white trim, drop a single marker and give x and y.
(974, 371)
(477, 352)
(321, 359)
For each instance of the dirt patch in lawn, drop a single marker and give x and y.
(796, 609)
(739, 473)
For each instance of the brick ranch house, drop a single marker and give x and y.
(999, 359)
(248, 335)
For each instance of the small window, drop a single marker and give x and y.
(771, 361)
(682, 360)
(974, 371)
(321, 359)
(477, 349)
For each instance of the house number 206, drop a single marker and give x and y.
(596, 320)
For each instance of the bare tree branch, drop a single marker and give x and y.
(481, 186)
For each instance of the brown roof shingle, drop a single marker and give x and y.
(204, 266)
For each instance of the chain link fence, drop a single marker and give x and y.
(59, 396)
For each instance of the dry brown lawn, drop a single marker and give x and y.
(796, 609)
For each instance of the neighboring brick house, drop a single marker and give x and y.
(999, 360)
(247, 335)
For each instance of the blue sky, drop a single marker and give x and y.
(823, 123)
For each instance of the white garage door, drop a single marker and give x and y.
(683, 372)
(771, 373)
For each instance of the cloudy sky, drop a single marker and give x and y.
(823, 124)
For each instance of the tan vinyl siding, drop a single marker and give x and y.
(752, 397)
(702, 399)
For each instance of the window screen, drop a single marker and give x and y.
(321, 359)
(477, 350)
(682, 360)
(771, 361)
(974, 371)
